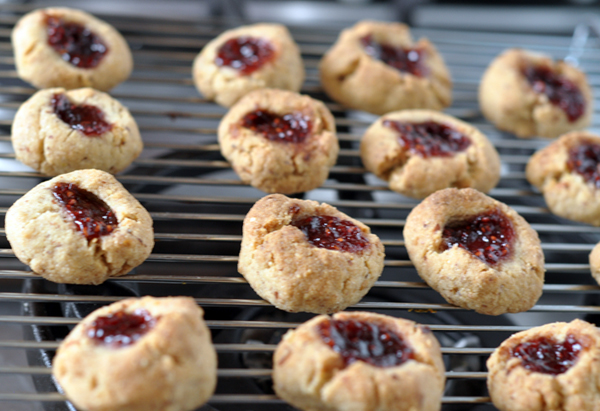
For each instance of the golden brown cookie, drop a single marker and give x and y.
(552, 367)
(376, 67)
(595, 262)
(421, 151)
(529, 94)
(58, 131)
(359, 361)
(150, 354)
(304, 256)
(245, 59)
(477, 252)
(279, 141)
(566, 173)
(61, 47)
(80, 228)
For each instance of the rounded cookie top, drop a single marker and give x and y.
(279, 141)
(359, 360)
(62, 47)
(477, 252)
(139, 354)
(421, 151)
(245, 59)
(57, 131)
(304, 256)
(376, 67)
(552, 367)
(80, 228)
(529, 94)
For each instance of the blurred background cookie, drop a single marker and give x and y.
(57, 131)
(61, 47)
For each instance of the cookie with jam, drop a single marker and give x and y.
(477, 252)
(529, 94)
(552, 367)
(79, 228)
(566, 172)
(301, 255)
(421, 151)
(279, 141)
(245, 59)
(359, 361)
(377, 67)
(62, 47)
(151, 354)
(58, 131)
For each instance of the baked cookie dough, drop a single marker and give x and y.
(58, 131)
(245, 59)
(595, 262)
(80, 228)
(567, 174)
(300, 255)
(376, 67)
(552, 367)
(359, 361)
(477, 252)
(151, 354)
(61, 47)
(421, 151)
(529, 94)
(279, 141)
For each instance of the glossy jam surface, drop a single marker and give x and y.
(429, 139)
(585, 160)
(409, 60)
(85, 118)
(548, 356)
(90, 214)
(332, 233)
(561, 91)
(121, 329)
(75, 43)
(357, 340)
(245, 54)
(487, 236)
(290, 128)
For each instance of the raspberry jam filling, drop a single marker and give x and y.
(561, 91)
(290, 128)
(75, 43)
(548, 356)
(429, 139)
(92, 216)
(85, 118)
(585, 160)
(408, 60)
(121, 329)
(245, 54)
(487, 236)
(332, 233)
(358, 340)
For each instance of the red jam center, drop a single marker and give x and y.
(362, 341)
(245, 54)
(87, 119)
(408, 60)
(547, 356)
(585, 160)
(561, 91)
(291, 128)
(90, 214)
(332, 233)
(488, 236)
(429, 139)
(121, 329)
(75, 43)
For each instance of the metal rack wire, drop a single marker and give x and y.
(198, 205)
